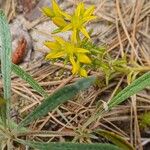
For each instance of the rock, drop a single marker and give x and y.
(42, 33)
(36, 13)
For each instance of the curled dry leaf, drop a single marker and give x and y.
(19, 53)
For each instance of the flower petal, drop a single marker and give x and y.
(47, 11)
(89, 18)
(67, 16)
(79, 8)
(56, 9)
(89, 11)
(51, 45)
(84, 59)
(82, 50)
(75, 65)
(59, 21)
(74, 36)
(55, 55)
(60, 40)
(83, 30)
(83, 72)
(66, 28)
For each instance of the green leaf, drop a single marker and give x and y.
(5, 49)
(136, 86)
(115, 139)
(13, 126)
(56, 31)
(2, 102)
(58, 98)
(25, 76)
(144, 120)
(68, 146)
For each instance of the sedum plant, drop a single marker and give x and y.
(12, 133)
(72, 49)
(79, 50)
(72, 52)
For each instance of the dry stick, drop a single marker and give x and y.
(7, 7)
(62, 65)
(50, 115)
(44, 122)
(119, 38)
(119, 130)
(137, 134)
(120, 118)
(48, 118)
(63, 83)
(24, 89)
(131, 14)
(102, 90)
(99, 6)
(131, 125)
(76, 115)
(112, 130)
(63, 116)
(136, 16)
(144, 34)
(116, 88)
(45, 33)
(45, 75)
(19, 93)
(144, 53)
(28, 107)
(60, 86)
(91, 98)
(109, 19)
(96, 115)
(147, 25)
(72, 119)
(115, 44)
(144, 96)
(143, 100)
(30, 93)
(111, 27)
(120, 111)
(145, 13)
(30, 25)
(13, 11)
(125, 30)
(48, 133)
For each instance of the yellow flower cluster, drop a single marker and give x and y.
(76, 23)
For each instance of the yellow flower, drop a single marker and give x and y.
(56, 14)
(78, 21)
(69, 51)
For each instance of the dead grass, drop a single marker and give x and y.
(124, 26)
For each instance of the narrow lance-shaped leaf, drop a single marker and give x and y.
(115, 139)
(136, 86)
(25, 76)
(58, 98)
(68, 146)
(5, 50)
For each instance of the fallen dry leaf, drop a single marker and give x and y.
(19, 53)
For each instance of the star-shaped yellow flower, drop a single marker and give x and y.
(75, 22)
(56, 14)
(78, 20)
(69, 51)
